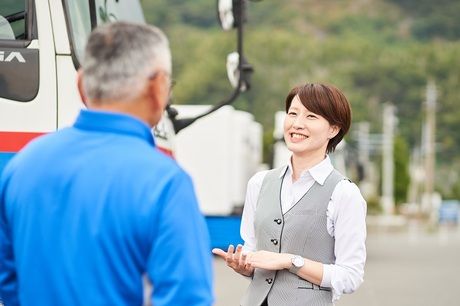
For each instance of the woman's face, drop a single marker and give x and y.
(306, 133)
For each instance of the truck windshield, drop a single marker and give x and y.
(12, 19)
(80, 14)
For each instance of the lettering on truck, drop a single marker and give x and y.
(9, 57)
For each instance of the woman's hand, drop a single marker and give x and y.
(270, 260)
(236, 259)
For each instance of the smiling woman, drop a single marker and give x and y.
(326, 102)
(303, 224)
(306, 132)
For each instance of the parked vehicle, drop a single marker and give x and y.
(449, 212)
(41, 46)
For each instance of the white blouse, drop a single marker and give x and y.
(346, 222)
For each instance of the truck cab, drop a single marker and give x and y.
(41, 46)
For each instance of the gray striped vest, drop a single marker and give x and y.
(301, 231)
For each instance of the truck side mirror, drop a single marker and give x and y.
(225, 14)
(235, 71)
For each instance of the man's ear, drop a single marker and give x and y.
(155, 96)
(80, 86)
(155, 92)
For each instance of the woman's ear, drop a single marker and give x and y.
(333, 131)
(80, 87)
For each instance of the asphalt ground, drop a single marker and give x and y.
(411, 265)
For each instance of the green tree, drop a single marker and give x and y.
(375, 51)
(401, 173)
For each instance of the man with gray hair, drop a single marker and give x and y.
(87, 211)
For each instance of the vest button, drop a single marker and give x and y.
(274, 241)
(277, 221)
(269, 280)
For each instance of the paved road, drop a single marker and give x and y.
(412, 266)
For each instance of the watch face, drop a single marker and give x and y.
(298, 261)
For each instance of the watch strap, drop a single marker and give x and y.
(294, 269)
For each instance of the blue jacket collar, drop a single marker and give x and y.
(112, 122)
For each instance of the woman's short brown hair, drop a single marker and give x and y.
(328, 102)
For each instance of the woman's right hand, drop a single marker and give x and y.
(236, 259)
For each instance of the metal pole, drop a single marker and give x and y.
(364, 146)
(388, 160)
(430, 147)
(365, 170)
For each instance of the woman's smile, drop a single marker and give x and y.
(296, 137)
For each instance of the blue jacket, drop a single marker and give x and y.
(87, 211)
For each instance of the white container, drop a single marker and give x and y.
(281, 154)
(219, 152)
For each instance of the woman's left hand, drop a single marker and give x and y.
(270, 260)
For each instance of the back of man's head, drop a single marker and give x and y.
(119, 59)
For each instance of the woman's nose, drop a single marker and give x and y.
(298, 123)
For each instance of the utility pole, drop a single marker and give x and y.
(417, 176)
(389, 121)
(429, 147)
(364, 147)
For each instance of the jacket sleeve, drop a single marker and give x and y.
(180, 263)
(8, 278)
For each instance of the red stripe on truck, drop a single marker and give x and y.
(12, 142)
(15, 141)
(166, 151)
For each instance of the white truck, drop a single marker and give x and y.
(41, 45)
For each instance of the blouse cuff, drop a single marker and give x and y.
(327, 272)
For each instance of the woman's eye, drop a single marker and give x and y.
(292, 113)
(311, 116)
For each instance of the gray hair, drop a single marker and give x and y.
(119, 59)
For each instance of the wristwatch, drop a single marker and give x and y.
(297, 262)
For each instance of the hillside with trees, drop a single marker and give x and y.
(377, 51)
